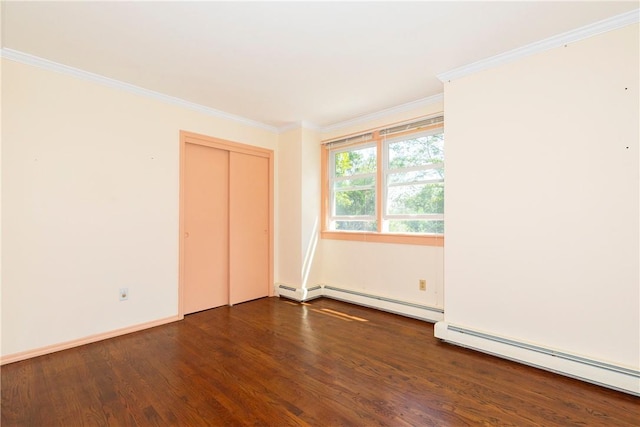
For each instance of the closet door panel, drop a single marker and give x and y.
(249, 227)
(206, 236)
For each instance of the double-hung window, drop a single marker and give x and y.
(386, 185)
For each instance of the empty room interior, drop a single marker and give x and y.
(320, 213)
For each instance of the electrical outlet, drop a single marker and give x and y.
(423, 284)
(124, 294)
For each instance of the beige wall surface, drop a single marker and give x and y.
(299, 173)
(542, 199)
(310, 217)
(289, 173)
(90, 205)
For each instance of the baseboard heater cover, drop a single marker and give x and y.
(386, 299)
(403, 308)
(298, 294)
(583, 368)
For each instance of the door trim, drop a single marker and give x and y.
(222, 144)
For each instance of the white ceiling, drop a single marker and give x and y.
(279, 63)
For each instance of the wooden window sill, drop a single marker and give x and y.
(406, 239)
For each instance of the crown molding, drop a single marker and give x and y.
(613, 23)
(384, 113)
(46, 64)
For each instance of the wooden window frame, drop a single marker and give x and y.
(366, 236)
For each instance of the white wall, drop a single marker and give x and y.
(382, 269)
(289, 172)
(542, 199)
(90, 204)
(299, 174)
(310, 211)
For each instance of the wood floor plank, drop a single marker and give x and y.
(273, 362)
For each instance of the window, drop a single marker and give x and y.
(386, 185)
(353, 188)
(414, 184)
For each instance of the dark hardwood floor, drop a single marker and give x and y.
(274, 362)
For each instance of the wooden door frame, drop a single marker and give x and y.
(236, 147)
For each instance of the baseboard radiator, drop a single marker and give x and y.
(594, 371)
(403, 308)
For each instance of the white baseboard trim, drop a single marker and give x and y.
(16, 357)
(403, 308)
(601, 373)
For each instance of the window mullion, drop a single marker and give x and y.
(417, 182)
(418, 168)
(416, 216)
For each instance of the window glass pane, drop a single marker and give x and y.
(416, 226)
(355, 202)
(367, 181)
(416, 151)
(412, 176)
(416, 199)
(355, 225)
(355, 162)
